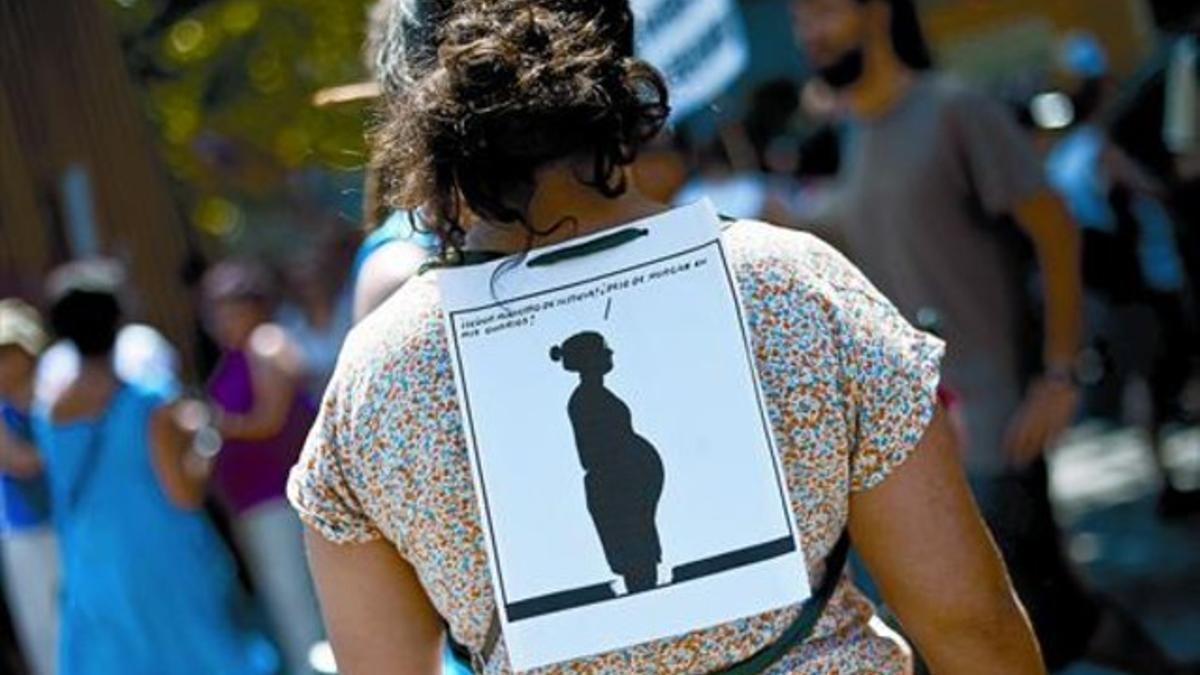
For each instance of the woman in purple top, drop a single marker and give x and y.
(263, 416)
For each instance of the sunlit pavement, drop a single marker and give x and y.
(1106, 486)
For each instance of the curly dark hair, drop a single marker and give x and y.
(517, 84)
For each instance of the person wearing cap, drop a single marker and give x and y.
(28, 549)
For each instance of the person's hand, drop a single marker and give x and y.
(1046, 412)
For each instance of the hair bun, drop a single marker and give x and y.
(517, 85)
(485, 65)
(556, 353)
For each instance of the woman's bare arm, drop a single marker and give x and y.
(925, 544)
(18, 458)
(182, 474)
(380, 620)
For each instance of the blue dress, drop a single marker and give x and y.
(24, 502)
(397, 227)
(148, 588)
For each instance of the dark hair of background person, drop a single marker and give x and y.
(401, 45)
(85, 305)
(518, 84)
(907, 37)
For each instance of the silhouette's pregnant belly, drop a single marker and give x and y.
(622, 495)
(630, 462)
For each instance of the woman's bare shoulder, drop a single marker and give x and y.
(77, 403)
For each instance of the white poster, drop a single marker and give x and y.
(625, 467)
(700, 45)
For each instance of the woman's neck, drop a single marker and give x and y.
(89, 393)
(96, 371)
(564, 207)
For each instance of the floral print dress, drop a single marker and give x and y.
(849, 385)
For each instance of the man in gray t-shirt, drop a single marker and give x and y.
(940, 194)
(924, 206)
(938, 186)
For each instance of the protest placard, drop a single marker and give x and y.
(621, 450)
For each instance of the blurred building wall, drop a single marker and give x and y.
(988, 38)
(78, 170)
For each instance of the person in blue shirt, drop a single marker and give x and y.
(387, 257)
(28, 551)
(147, 585)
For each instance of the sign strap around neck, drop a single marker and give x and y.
(805, 622)
(797, 632)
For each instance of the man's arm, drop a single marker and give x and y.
(1050, 403)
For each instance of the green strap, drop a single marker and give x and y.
(589, 247)
(797, 632)
(480, 659)
(803, 626)
(458, 259)
(466, 258)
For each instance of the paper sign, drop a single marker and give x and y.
(699, 46)
(624, 463)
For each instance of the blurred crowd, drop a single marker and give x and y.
(948, 197)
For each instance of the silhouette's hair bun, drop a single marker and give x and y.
(579, 351)
(517, 84)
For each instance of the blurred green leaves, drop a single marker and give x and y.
(229, 85)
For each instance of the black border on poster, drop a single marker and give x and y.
(529, 608)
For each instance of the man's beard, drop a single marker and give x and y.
(846, 70)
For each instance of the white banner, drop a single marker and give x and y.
(625, 467)
(700, 45)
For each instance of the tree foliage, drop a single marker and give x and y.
(229, 84)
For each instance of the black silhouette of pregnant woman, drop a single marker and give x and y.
(623, 475)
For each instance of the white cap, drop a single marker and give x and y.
(20, 326)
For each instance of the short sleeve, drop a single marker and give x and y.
(320, 486)
(890, 371)
(1003, 167)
